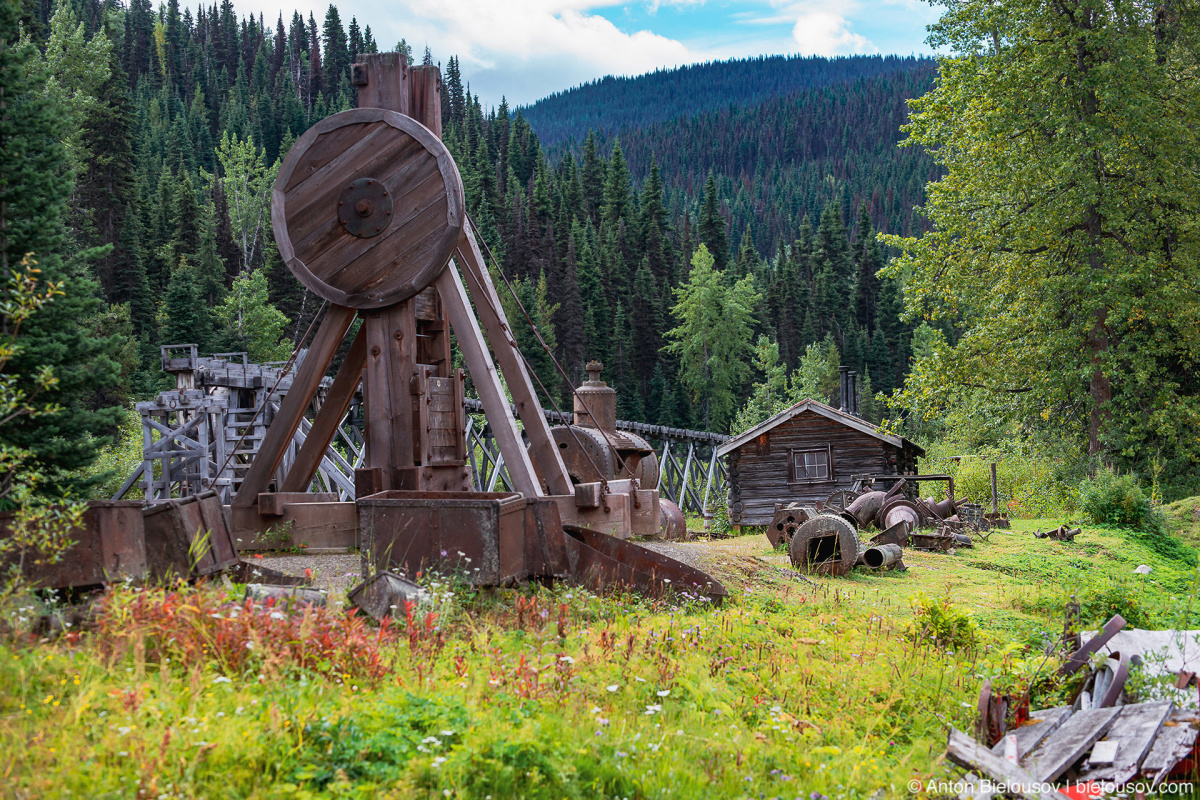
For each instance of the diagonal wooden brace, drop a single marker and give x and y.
(304, 385)
(508, 358)
(325, 426)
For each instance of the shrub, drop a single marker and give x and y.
(1030, 481)
(1109, 498)
(942, 624)
(200, 627)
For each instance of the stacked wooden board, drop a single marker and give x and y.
(1106, 746)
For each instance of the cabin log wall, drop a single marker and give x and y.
(757, 482)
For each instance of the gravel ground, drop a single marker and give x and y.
(336, 573)
(688, 552)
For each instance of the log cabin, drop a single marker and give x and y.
(807, 453)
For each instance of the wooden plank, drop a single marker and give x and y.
(1062, 749)
(966, 752)
(487, 383)
(329, 417)
(1134, 732)
(1173, 743)
(491, 314)
(308, 377)
(1040, 725)
(425, 83)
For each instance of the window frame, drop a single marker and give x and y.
(827, 450)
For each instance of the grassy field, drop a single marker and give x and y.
(790, 690)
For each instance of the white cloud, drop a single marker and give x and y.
(827, 33)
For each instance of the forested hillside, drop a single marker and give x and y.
(173, 122)
(610, 104)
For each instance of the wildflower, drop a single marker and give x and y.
(639, 680)
(664, 693)
(276, 615)
(447, 733)
(612, 688)
(566, 659)
(222, 679)
(652, 710)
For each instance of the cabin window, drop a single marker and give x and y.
(762, 445)
(810, 466)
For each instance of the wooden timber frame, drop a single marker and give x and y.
(413, 403)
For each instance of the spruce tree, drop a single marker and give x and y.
(336, 60)
(592, 175)
(618, 204)
(712, 226)
(34, 191)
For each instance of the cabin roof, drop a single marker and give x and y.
(849, 420)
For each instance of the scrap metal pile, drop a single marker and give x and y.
(831, 541)
(1103, 741)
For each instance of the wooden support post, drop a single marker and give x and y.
(995, 494)
(491, 314)
(426, 89)
(308, 377)
(325, 426)
(387, 388)
(487, 383)
(385, 82)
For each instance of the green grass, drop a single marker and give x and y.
(789, 689)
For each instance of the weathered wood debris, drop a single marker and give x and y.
(1102, 744)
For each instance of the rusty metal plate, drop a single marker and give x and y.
(188, 537)
(108, 547)
(365, 208)
(480, 534)
(600, 561)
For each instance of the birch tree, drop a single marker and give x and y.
(246, 181)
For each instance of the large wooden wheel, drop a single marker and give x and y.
(367, 208)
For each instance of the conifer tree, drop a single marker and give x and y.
(618, 204)
(712, 338)
(336, 60)
(34, 191)
(868, 261)
(712, 226)
(593, 177)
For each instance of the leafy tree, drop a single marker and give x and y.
(78, 68)
(1064, 239)
(712, 338)
(251, 323)
(246, 181)
(817, 376)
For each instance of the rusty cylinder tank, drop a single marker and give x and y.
(593, 449)
(600, 400)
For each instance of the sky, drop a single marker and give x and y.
(523, 50)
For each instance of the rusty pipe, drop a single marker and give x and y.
(901, 511)
(865, 507)
(883, 555)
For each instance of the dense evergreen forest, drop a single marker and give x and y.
(178, 119)
(612, 104)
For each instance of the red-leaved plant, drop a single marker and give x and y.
(196, 626)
